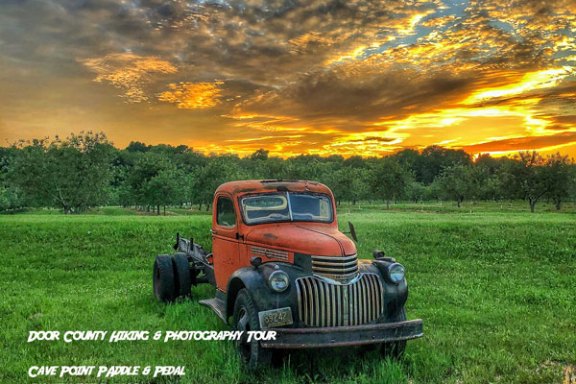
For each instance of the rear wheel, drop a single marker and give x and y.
(246, 319)
(163, 279)
(182, 275)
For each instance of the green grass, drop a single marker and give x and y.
(495, 288)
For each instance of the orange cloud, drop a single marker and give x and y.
(516, 144)
(193, 95)
(128, 72)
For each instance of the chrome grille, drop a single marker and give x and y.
(322, 304)
(341, 269)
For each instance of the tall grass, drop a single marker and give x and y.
(495, 290)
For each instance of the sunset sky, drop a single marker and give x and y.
(350, 77)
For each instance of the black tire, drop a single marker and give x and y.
(182, 274)
(246, 319)
(163, 279)
(395, 349)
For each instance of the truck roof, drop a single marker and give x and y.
(254, 186)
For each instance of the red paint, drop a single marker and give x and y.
(234, 246)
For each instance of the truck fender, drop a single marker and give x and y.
(249, 278)
(395, 295)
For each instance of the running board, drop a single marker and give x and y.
(217, 306)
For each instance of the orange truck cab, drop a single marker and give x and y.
(279, 262)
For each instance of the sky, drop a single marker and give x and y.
(350, 77)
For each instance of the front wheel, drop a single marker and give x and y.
(395, 349)
(246, 319)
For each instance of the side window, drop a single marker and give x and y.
(225, 215)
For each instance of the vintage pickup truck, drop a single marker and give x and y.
(279, 262)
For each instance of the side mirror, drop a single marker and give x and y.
(352, 231)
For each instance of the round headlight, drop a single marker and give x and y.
(396, 273)
(278, 281)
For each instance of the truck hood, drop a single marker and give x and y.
(307, 238)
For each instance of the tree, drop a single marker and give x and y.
(528, 176)
(486, 180)
(558, 174)
(348, 184)
(10, 199)
(389, 180)
(10, 196)
(309, 167)
(73, 174)
(434, 159)
(218, 170)
(260, 154)
(136, 146)
(489, 164)
(408, 158)
(154, 181)
(165, 188)
(354, 162)
(456, 183)
(418, 192)
(572, 183)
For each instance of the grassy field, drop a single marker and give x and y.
(494, 285)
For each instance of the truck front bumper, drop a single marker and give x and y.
(297, 338)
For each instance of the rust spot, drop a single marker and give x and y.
(270, 236)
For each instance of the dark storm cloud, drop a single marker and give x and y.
(561, 123)
(358, 98)
(267, 44)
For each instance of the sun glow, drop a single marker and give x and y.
(530, 82)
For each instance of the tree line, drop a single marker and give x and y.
(85, 170)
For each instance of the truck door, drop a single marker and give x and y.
(225, 247)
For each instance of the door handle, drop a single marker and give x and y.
(214, 232)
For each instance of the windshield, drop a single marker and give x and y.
(286, 206)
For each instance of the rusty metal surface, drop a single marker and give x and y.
(253, 186)
(319, 239)
(269, 253)
(323, 337)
